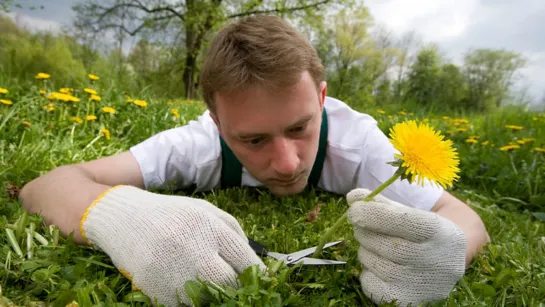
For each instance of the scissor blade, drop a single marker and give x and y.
(314, 261)
(302, 253)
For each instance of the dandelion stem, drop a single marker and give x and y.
(333, 229)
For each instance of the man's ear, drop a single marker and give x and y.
(216, 121)
(323, 93)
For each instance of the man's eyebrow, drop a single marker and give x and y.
(299, 122)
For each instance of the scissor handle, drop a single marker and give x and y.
(258, 248)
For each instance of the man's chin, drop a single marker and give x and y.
(288, 190)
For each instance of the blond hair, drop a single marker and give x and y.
(257, 50)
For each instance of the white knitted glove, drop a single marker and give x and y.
(161, 241)
(408, 254)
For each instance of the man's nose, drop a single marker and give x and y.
(284, 156)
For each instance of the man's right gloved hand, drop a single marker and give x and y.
(161, 241)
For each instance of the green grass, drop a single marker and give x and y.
(39, 267)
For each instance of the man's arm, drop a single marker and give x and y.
(468, 220)
(62, 195)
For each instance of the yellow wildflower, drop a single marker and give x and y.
(381, 111)
(539, 149)
(63, 97)
(108, 110)
(471, 140)
(93, 77)
(106, 132)
(509, 147)
(461, 129)
(76, 119)
(513, 127)
(65, 90)
(95, 98)
(90, 91)
(485, 143)
(49, 107)
(175, 113)
(90, 117)
(25, 123)
(6, 102)
(140, 103)
(402, 113)
(3, 91)
(42, 76)
(42, 92)
(424, 153)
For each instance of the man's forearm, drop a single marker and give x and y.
(468, 220)
(61, 197)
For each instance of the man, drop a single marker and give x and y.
(269, 124)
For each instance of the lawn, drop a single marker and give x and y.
(41, 127)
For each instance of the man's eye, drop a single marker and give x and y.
(255, 141)
(298, 129)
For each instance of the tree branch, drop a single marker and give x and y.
(291, 9)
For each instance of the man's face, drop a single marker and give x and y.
(274, 135)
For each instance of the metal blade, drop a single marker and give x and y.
(293, 257)
(314, 261)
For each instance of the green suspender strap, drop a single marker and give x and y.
(231, 171)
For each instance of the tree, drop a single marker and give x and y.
(424, 75)
(490, 75)
(194, 21)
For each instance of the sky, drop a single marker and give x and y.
(456, 26)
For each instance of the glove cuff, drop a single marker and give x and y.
(112, 209)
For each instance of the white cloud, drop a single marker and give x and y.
(34, 23)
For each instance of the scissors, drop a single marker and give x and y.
(295, 257)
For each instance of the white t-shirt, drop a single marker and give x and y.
(356, 157)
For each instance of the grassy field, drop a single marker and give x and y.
(502, 157)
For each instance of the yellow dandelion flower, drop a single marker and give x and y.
(90, 91)
(65, 90)
(106, 132)
(509, 147)
(95, 98)
(108, 110)
(539, 149)
(63, 97)
(49, 107)
(402, 113)
(6, 102)
(424, 154)
(485, 143)
(446, 117)
(461, 129)
(26, 123)
(390, 116)
(472, 140)
(3, 91)
(128, 99)
(140, 103)
(426, 120)
(90, 117)
(76, 119)
(42, 76)
(42, 92)
(93, 77)
(535, 118)
(513, 127)
(175, 113)
(381, 111)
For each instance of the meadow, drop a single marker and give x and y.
(41, 127)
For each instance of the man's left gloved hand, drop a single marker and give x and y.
(408, 254)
